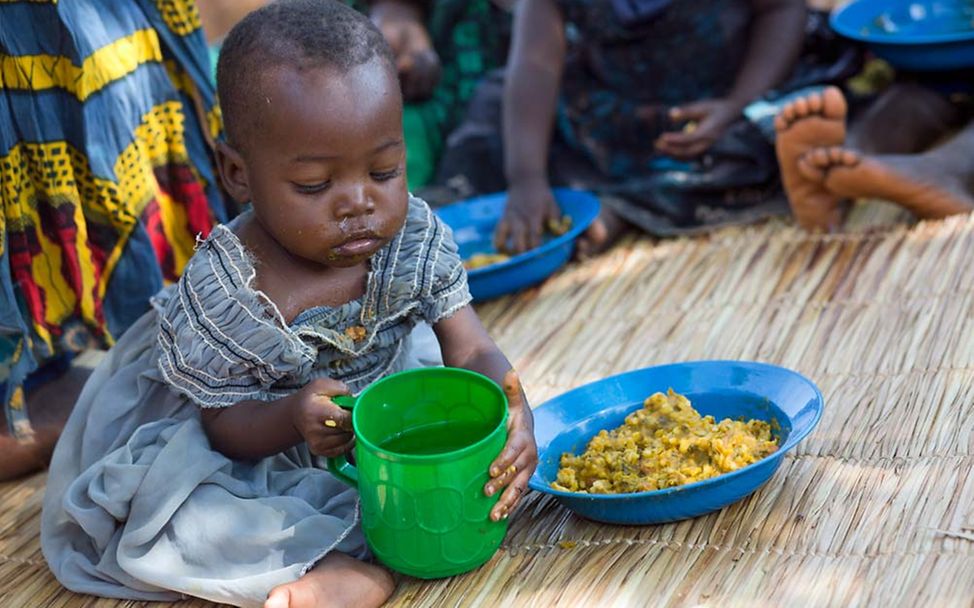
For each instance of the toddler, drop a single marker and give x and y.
(190, 465)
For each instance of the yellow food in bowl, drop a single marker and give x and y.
(664, 444)
(479, 260)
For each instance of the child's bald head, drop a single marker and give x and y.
(297, 34)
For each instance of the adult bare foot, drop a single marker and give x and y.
(602, 234)
(337, 581)
(810, 122)
(927, 184)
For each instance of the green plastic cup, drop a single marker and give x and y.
(425, 439)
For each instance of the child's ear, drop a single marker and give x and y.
(233, 172)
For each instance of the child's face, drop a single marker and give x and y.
(325, 165)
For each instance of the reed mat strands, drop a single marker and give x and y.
(875, 508)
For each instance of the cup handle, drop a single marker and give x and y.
(339, 466)
(346, 402)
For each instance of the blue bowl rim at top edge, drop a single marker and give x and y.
(536, 484)
(836, 20)
(545, 248)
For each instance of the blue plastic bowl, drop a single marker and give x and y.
(922, 35)
(473, 222)
(723, 389)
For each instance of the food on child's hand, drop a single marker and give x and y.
(665, 443)
(479, 260)
(690, 127)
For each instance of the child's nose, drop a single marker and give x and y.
(354, 201)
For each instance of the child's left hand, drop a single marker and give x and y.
(517, 461)
(709, 118)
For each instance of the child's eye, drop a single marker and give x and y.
(383, 176)
(312, 188)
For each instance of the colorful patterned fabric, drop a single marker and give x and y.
(107, 116)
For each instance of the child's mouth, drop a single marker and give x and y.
(358, 246)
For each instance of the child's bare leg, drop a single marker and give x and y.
(337, 581)
(810, 122)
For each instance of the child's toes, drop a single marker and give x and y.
(279, 597)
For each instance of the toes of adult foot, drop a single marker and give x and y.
(787, 115)
(835, 155)
(821, 157)
(780, 123)
(801, 107)
(278, 598)
(815, 103)
(833, 103)
(849, 158)
(810, 168)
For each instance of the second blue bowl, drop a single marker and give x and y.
(921, 35)
(473, 222)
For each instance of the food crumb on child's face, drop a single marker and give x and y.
(325, 164)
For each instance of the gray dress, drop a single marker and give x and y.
(138, 504)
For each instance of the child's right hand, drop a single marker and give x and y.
(326, 428)
(530, 206)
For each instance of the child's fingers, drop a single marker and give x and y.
(335, 417)
(510, 473)
(330, 444)
(506, 458)
(525, 459)
(511, 496)
(327, 387)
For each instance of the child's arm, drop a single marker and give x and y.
(251, 430)
(465, 343)
(534, 67)
(777, 34)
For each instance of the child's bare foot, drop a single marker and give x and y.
(923, 183)
(337, 581)
(602, 234)
(809, 122)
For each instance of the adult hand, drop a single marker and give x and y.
(516, 463)
(530, 206)
(705, 122)
(325, 427)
